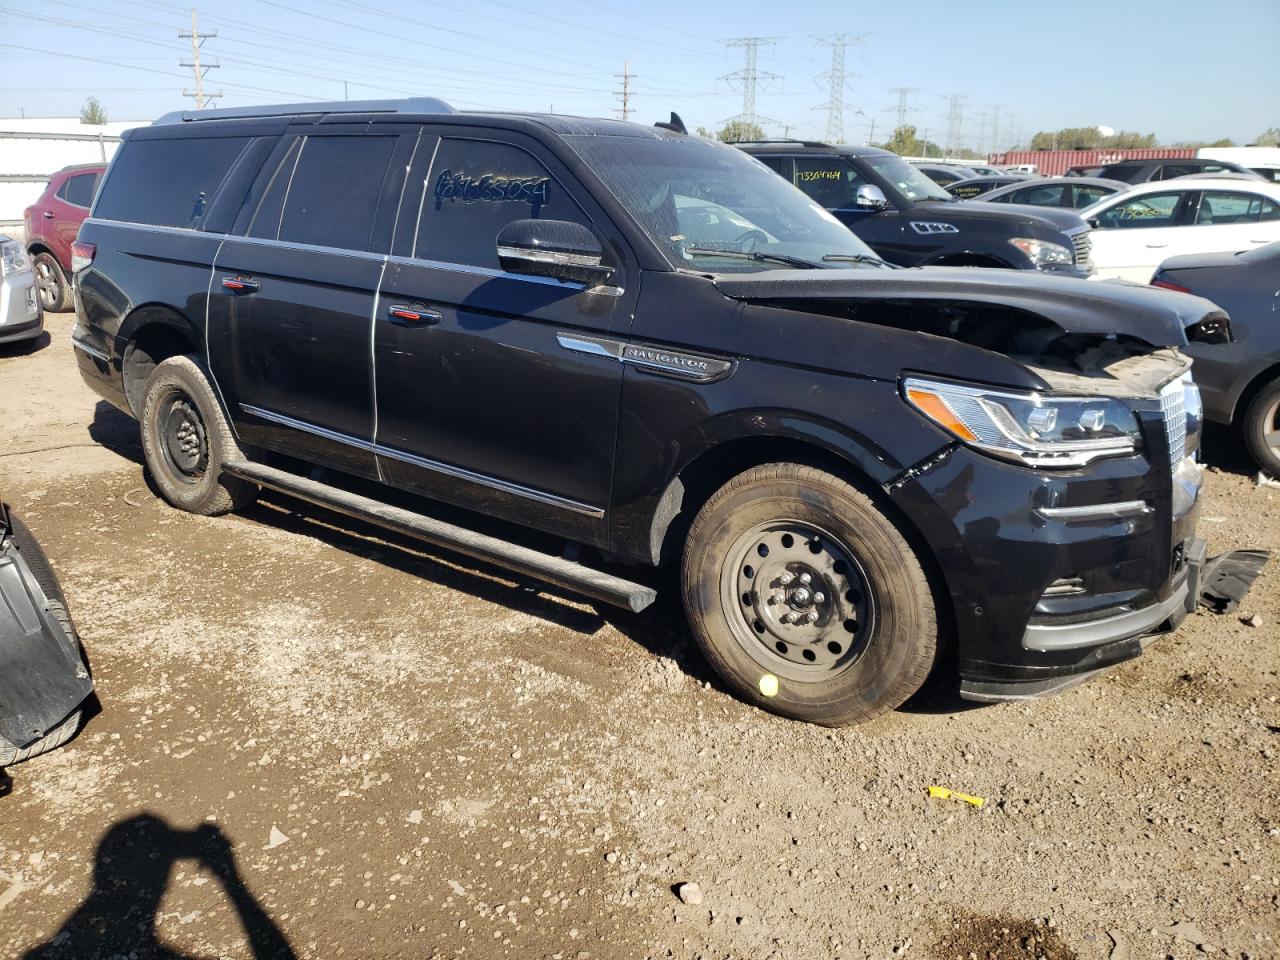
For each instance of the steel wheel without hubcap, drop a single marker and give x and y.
(798, 602)
(183, 440)
(48, 285)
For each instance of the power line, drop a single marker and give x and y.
(197, 41)
(749, 77)
(625, 93)
(837, 80)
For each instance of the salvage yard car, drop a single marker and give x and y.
(909, 220)
(649, 343)
(1136, 230)
(21, 314)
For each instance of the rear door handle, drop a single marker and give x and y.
(48, 214)
(413, 316)
(1156, 246)
(240, 284)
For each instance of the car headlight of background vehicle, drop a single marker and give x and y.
(12, 258)
(1042, 252)
(1030, 428)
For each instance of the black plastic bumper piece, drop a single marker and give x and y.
(541, 566)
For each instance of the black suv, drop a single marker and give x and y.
(648, 343)
(909, 220)
(1169, 168)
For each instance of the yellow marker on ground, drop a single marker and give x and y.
(769, 685)
(944, 793)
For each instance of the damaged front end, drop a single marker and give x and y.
(1062, 499)
(43, 677)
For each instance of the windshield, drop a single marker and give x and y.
(906, 179)
(713, 208)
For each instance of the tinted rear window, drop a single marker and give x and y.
(167, 183)
(79, 189)
(332, 197)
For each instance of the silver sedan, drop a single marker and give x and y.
(21, 316)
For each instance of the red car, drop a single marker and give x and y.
(52, 223)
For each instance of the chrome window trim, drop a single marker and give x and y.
(484, 272)
(154, 227)
(436, 466)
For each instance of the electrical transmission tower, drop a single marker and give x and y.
(904, 94)
(837, 78)
(995, 127)
(197, 40)
(626, 76)
(749, 77)
(955, 121)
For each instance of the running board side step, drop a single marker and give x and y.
(533, 563)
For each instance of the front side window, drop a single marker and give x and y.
(830, 181)
(475, 188)
(1219, 207)
(1048, 195)
(1151, 210)
(1086, 195)
(167, 182)
(712, 208)
(905, 179)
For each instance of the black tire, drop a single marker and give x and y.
(186, 440)
(51, 283)
(40, 568)
(1261, 427)
(873, 637)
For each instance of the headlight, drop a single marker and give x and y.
(1041, 252)
(12, 258)
(1194, 408)
(1041, 431)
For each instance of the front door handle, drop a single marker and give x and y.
(1156, 246)
(240, 285)
(48, 214)
(413, 316)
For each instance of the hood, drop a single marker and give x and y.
(1014, 214)
(1103, 308)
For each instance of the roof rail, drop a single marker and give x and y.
(407, 105)
(803, 143)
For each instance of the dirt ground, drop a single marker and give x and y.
(317, 741)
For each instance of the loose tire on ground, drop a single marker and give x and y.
(186, 440)
(40, 568)
(1261, 428)
(51, 283)
(866, 646)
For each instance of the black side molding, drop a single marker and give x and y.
(541, 566)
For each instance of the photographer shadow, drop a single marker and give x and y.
(130, 875)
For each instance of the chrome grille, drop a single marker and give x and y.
(1175, 420)
(1083, 246)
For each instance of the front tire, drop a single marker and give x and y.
(806, 598)
(186, 440)
(1261, 426)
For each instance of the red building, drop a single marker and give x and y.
(1054, 163)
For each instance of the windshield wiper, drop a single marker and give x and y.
(947, 199)
(855, 258)
(757, 255)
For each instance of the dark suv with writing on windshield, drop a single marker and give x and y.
(646, 343)
(901, 214)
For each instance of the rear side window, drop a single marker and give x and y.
(331, 199)
(1086, 195)
(1048, 195)
(167, 183)
(477, 187)
(1127, 172)
(78, 190)
(1217, 207)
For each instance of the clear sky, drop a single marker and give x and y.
(1182, 69)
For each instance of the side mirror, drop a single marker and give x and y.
(559, 249)
(871, 197)
(1094, 222)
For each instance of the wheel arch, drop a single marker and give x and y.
(1256, 384)
(153, 333)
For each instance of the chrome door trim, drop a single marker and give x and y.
(91, 351)
(663, 361)
(494, 483)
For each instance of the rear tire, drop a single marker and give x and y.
(806, 598)
(1261, 426)
(186, 440)
(51, 283)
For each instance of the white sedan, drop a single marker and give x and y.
(1135, 231)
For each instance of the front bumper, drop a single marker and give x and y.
(21, 316)
(1055, 575)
